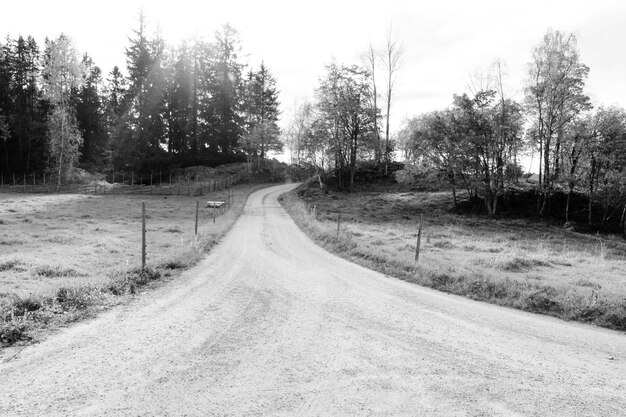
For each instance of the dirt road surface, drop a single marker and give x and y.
(270, 324)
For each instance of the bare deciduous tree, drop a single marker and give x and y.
(392, 61)
(369, 61)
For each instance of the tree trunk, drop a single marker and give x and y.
(491, 202)
(589, 204)
(546, 164)
(540, 194)
(60, 161)
(194, 107)
(591, 180)
(372, 62)
(605, 210)
(488, 205)
(319, 177)
(387, 134)
(353, 155)
(624, 220)
(495, 204)
(6, 155)
(545, 203)
(569, 198)
(540, 160)
(352, 172)
(453, 181)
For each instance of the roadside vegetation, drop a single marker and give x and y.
(481, 143)
(523, 263)
(66, 257)
(547, 242)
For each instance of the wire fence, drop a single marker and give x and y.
(173, 185)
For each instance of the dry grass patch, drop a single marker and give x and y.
(12, 265)
(522, 263)
(77, 253)
(56, 271)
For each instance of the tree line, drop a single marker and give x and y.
(478, 140)
(345, 127)
(196, 103)
(477, 143)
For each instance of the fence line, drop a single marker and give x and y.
(216, 211)
(47, 186)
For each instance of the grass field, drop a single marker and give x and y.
(522, 263)
(60, 255)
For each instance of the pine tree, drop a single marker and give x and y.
(116, 112)
(26, 119)
(5, 107)
(262, 111)
(133, 150)
(179, 98)
(221, 101)
(90, 117)
(146, 80)
(153, 123)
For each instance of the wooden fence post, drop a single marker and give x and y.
(14, 179)
(150, 178)
(213, 213)
(197, 208)
(338, 223)
(143, 235)
(419, 239)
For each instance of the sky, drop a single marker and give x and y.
(444, 41)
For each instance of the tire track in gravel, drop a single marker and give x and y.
(271, 324)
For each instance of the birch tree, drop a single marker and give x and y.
(63, 71)
(554, 96)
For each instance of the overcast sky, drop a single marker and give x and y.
(445, 41)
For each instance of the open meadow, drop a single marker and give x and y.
(61, 254)
(527, 264)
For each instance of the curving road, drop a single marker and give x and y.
(271, 324)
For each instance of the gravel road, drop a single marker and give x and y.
(271, 324)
